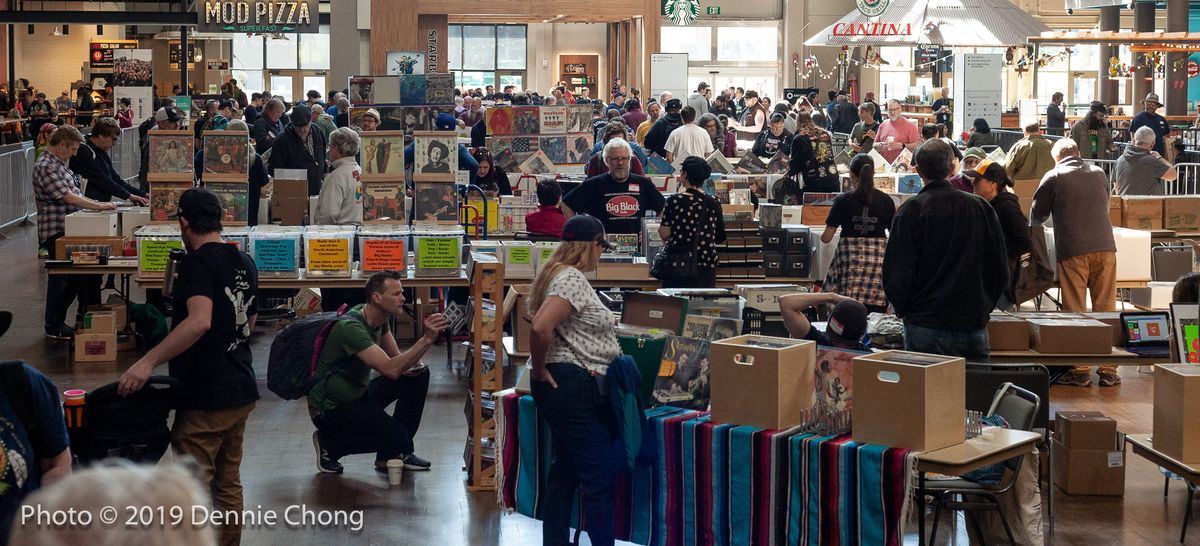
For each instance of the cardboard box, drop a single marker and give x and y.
(1114, 210)
(910, 400)
(289, 201)
(1070, 336)
(1156, 295)
(764, 297)
(87, 223)
(814, 215)
(1113, 319)
(307, 302)
(1133, 254)
(1177, 411)
(518, 311)
(100, 322)
(95, 347)
(759, 381)
(1181, 212)
(1026, 188)
(1089, 471)
(1085, 430)
(117, 309)
(1142, 212)
(64, 245)
(406, 324)
(1007, 333)
(654, 311)
(132, 219)
(792, 214)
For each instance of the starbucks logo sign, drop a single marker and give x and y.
(684, 12)
(871, 8)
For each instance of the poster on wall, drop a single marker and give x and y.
(977, 88)
(141, 100)
(405, 62)
(100, 54)
(669, 72)
(132, 68)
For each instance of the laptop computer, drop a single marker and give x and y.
(1147, 334)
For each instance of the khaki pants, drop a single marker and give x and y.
(214, 440)
(1095, 271)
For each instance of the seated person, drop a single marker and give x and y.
(847, 323)
(347, 407)
(548, 219)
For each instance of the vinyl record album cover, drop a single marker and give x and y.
(555, 148)
(499, 120)
(435, 152)
(382, 155)
(439, 89)
(527, 120)
(235, 201)
(683, 378)
(412, 89)
(435, 203)
(171, 154)
(226, 155)
(554, 120)
(383, 202)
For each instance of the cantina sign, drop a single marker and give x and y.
(282, 16)
(872, 29)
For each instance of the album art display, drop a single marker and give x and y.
(235, 201)
(559, 135)
(171, 154)
(383, 202)
(435, 203)
(164, 200)
(683, 376)
(226, 155)
(382, 155)
(435, 153)
(391, 117)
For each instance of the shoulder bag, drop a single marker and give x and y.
(676, 261)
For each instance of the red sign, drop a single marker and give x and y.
(872, 29)
(1193, 69)
(622, 205)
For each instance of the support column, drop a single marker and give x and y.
(1110, 19)
(183, 63)
(393, 28)
(1143, 84)
(651, 40)
(1176, 88)
(343, 51)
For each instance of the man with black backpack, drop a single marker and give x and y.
(347, 406)
(215, 303)
(34, 447)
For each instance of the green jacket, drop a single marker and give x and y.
(1029, 158)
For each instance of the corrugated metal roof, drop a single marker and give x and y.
(960, 23)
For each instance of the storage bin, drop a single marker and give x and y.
(154, 244)
(518, 259)
(438, 253)
(760, 381)
(276, 250)
(909, 400)
(238, 236)
(328, 251)
(382, 247)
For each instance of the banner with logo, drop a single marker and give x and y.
(259, 16)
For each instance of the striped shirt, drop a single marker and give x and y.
(52, 181)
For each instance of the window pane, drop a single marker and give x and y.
(281, 87)
(1086, 57)
(477, 79)
(510, 47)
(251, 81)
(247, 52)
(316, 83)
(748, 43)
(695, 41)
(1050, 83)
(281, 53)
(479, 47)
(454, 46)
(314, 51)
(513, 79)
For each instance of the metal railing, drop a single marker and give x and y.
(127, 155)
(16, 187)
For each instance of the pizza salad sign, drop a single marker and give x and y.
(282, 16)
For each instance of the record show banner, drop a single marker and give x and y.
(283, 16)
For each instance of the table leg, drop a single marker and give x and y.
(921, 508)
(1187, 515)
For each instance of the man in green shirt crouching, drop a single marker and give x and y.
(347, 406)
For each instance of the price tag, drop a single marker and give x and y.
(1116, 459)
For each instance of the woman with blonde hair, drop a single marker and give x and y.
(572, 341)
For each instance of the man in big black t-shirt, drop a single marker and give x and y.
(618, 197)
(216, 300)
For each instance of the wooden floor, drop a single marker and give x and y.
(434, 507)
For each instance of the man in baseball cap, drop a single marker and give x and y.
(300, 147)
(656, 139)
(1152, 119)
(585, 227)
(847, 324)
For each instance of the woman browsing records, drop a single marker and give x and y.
(863, 215)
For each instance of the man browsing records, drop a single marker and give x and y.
(348, 407)
(847, 322)
(618, 197)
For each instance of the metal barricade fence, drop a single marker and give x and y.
(1188, 182)
(127, 155)
(16, 183)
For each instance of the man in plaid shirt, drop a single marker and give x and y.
(58, 195)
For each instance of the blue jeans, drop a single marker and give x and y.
(583, 440)
(969, 344)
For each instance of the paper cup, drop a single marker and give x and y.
(395, 468)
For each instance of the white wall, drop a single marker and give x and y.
(52, 63)
(574, 39)
(804, 19)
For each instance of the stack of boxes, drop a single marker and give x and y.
(1089, 458)
(741, 255)
(1054, 333)
(96, 341)
(787, 251)
(1176, 212)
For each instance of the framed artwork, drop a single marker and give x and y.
(555, 149)
(171, 154)
(537, 163)
(578, 148)
(499, 120)
(226, 156)
(527, 120)
(439, 89)
(382, 155)
(405, 62)
(391, 117)
(383, 202)
(435, 203)
(579, 118)
(235, 201)
(415, 118)
(412, 89)
(361, 90)
(554, 120)
(164, 200)
(435, 155)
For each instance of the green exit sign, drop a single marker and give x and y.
(714, 10)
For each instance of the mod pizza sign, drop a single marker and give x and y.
(281, 16)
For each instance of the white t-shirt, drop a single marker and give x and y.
(687, 140)
(588, 336)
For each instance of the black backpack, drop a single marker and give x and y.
(131, 427)
(292, 364)
(19, 392)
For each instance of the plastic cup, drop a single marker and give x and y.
(74, 401)
(395, 468)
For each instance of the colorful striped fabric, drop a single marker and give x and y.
(726, 485)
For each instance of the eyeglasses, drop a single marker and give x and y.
(618, 159)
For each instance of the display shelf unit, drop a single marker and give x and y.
(569, 66)
(487, 283)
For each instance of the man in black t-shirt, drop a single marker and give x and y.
(216, 300)
(847, 322)
(943, 109)
(618, 197)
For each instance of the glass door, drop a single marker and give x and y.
(281, 87)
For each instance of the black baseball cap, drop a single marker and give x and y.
(198, 204)
(848, 321)
(585, 227)
(301, 115)
(674, 104)
(987, 169)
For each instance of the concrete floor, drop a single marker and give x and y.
(435, 508)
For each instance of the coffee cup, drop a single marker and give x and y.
(395, 468)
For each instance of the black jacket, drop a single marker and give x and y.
(262, 132)
(289, 152)
(103, 183)
(845, 117)
(251, 114)
(1013, 223)
(656, 138)
(945, 264)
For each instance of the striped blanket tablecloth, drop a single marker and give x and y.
(726, 485)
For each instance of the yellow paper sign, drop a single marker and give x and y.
(328, 254)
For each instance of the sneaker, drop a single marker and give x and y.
(1109, 379)
(1078, 379)
(413, 462)
(63, 332)
(325, 463)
